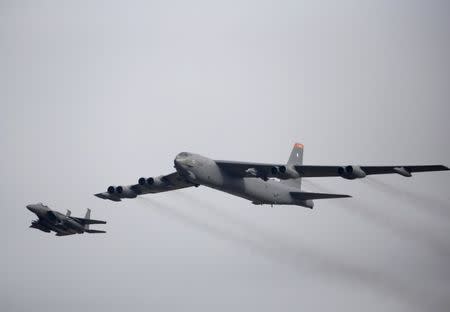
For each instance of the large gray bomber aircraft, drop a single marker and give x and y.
(272, 184)
(50, 220)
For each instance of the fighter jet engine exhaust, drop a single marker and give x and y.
(351, 172)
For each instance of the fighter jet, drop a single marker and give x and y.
(273, 184)
(50, 220)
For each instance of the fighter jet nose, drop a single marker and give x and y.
(34, 207)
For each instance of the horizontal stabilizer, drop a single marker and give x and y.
(307, 195)
(94, 231)
(89, 221)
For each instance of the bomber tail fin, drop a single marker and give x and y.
(295, 159)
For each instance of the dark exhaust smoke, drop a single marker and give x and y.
(303, 258)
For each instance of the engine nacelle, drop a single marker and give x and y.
(284, 172)
(275, 170)
(157, 181)
(351, 172)
(146, 182)
(126, 192)
(288, 172)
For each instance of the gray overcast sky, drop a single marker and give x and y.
(94, 93)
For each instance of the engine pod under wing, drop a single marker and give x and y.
(159, 184)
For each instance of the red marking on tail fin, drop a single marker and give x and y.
(298, 145)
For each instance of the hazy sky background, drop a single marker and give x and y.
(95, 93)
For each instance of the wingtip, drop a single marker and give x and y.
(107, 196)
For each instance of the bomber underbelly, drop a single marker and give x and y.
(256, 190)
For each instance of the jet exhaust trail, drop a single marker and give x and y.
(422, 201)
(403, 229)
(297, 258)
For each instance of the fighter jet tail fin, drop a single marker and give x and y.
(87, 217)
(68, 213)
(295, 159)
(94, 231)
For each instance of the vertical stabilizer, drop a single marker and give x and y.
(68, 213)
(87, 216)
(295, 159)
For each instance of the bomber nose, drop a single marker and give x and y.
(180, 159)
(178, 162)
(183, 162)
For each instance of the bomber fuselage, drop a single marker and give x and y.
(205, 171)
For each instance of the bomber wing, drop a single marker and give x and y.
(159, 184)
(353, 172)
(264, 171)
(248, 169)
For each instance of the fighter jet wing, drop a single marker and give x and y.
(159, 184)
(64, 234)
